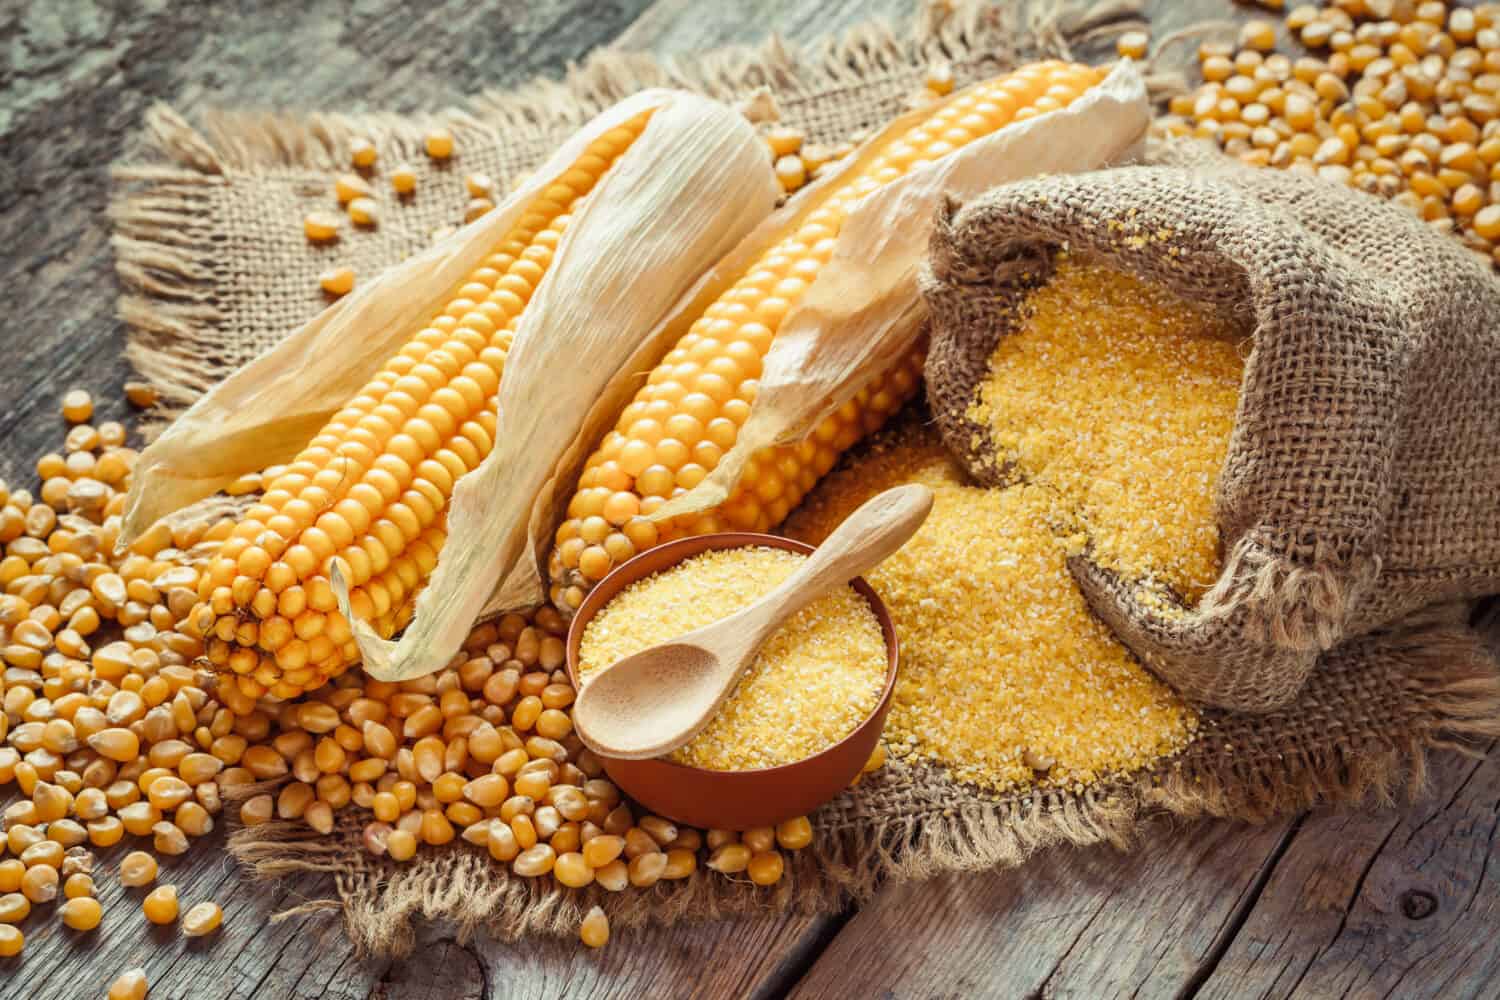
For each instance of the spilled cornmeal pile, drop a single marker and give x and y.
(816, 679)
(1114, 399)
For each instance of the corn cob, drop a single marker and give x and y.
(372, 487)
(689, 412)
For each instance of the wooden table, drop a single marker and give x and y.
(1384, 903)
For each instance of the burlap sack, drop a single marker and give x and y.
(214, 265)
(1363, 476)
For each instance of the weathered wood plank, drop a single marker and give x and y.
(1386, 904)
(239, 960)
(672, 26)
(1094, 923)
(748, 958)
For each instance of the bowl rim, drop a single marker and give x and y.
(735, 540)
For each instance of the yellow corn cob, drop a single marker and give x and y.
(372, 488)
(689, 412)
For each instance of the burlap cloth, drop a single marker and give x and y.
(215, 268)
(1362, 481)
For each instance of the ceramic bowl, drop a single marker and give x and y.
(736, 800)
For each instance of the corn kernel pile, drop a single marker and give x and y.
(811, 685)
(113, 730)
(1400, 98)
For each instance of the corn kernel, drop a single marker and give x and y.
(766, 868)
(77, 406)
(1133, 45)
(130, 985)
(138, 868)
(403, 180)
(337, 281)
(201, 919)
(160, 904)
(362, 153)
(320, 227)
(594, 931)
(438, 143)
(81, 913)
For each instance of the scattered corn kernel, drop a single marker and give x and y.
(594, 931)
(438, 143)
(131, 985)
(939, 78)
(476, 208)
(160, 904)
(791, 172)
(1133, 45)
(39, 884)
(362, 153)
(77, 406)
(351, 186)
(766, 868)
(794, 834)
(203, 918)
(320, 227)
(363, 211)
(138, 868)
(81, 913)
(403, 180)
(14, 907)
(337, 281)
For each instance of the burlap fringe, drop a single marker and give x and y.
(1451, 682)
(1292, 606)
(164, 254)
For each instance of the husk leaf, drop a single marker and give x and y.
(686, 192)
(268, 410)
(863, 312)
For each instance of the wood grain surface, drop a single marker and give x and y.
(1381, 903)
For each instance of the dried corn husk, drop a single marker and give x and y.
(693, 184)
(863, 312)
(691, 187)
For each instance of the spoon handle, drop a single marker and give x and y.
(865, 538)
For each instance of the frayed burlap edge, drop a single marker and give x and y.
(1448, 681)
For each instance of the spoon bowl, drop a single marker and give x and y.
(736, 800)
(617, 702)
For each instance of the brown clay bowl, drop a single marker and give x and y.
(736, 800)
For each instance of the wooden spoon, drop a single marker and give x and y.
(651, 703)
